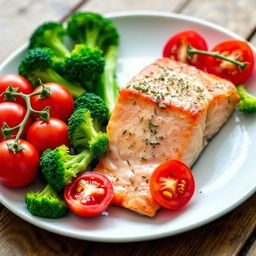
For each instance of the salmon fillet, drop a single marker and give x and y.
(168, 111)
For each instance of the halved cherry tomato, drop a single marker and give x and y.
(89, 194)
(12, 114)
(50, 134)
(15, 81)
(172, 184)
(60, 101)
(237, 50)
(176, 48)
(20, 168)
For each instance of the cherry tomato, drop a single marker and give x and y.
(60, 101)
(237, 50)
(18, 169)
(89, 194)
(16, 81)
(49, 134)
(172, 184)
(176, 48)
(12, 114)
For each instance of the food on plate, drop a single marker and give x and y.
(93, 30)
(232, 59)
(236, 50)
(11, 114)
(15, 81)
(60, 101)
(168, 111)
(46, 203)
(59, 167)
(98, 109)
(247, 102)
(48, 134)
(83, 135)
(176, 48)
(38, 64)
(18, 168)
(172, 184)
(89, 194)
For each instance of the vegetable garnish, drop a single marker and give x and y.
(89, 194)
(18, 168)
(176, 48)
(46, 203)
(172, 184)
(10, 93)
(235, 50)
(247, 101)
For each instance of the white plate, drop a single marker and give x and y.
(225, 173)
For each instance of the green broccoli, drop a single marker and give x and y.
(46, 204)
(85, 66)
(38, 63)
(93, 30)
(247, 101)
(50, 34)
(107, 87)
(82, 133)
(97, 107)
(59, 167)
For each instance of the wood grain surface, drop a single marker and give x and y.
(233, 234)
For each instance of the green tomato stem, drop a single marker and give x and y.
(44, 114)
(191, 51)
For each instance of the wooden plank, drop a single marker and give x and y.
(238, 16)
(102, 6)
(18, 237)
(225, 237)
(19, 18)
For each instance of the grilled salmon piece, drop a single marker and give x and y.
(168, 111)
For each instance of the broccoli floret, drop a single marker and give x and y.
(82, 133)
(247, 101)
(38, 63)
(59, 167)
(50, 34)
(46, 204)
(92, 30)
(97, 107)
(85, 65)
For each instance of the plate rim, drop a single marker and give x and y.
(44, 225)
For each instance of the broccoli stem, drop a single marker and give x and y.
(51, 76)
(79, 163)
(48, 190)
(59, 48)
(91, 38)
(108, 88)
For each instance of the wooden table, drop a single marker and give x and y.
(233, 234)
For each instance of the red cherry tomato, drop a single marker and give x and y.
(12, 114)
(235, 49)
(18, 169)
(49, 134)
(89, 194)
(16, 81)
(172, 184)
(176, 48)
(60, 101)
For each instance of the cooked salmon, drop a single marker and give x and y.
(168, 111)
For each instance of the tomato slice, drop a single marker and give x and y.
(89, 194)
(234, 49)
(172, 184)
(176, 48)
